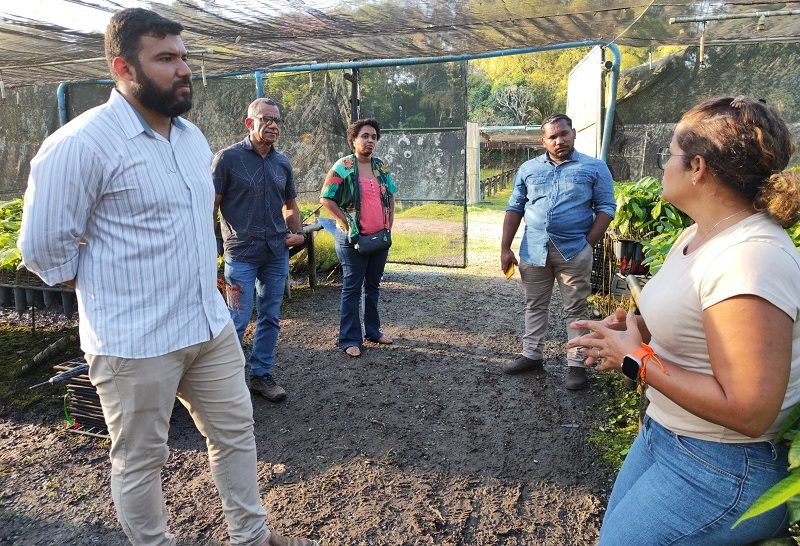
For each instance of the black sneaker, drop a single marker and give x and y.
(265, 386)
(575, 379)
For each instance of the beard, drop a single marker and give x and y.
(163, 101)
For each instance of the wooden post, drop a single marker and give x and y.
(312, 260)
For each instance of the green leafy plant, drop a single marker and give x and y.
(657, 248)
(644, 216)
(10, 221)
(641, 213)
(794, 233)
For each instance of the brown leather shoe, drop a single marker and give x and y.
(279, 540)
(575, 379)
(383, 340)
(265, 386)
(353, 351)
(523, 364)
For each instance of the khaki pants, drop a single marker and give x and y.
(138, 395)
(574, 282)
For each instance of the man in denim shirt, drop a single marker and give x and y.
(256, 197)
(567, 200)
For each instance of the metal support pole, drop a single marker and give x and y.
(355, 93)
(259, 84)
(61, 95)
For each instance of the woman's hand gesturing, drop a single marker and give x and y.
(608, 340)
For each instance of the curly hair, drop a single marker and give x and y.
(747, 145)
(125, 30)
(356, 126)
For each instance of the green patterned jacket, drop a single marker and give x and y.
(341, 186)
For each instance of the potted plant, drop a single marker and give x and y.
(10, 220)
(643, 216)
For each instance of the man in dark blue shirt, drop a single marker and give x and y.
(567, 200)
(255, 198)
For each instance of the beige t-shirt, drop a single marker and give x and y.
(754, 256)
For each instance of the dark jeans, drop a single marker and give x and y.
(359, 271)
(269, 280)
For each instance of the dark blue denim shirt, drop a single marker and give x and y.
(253, 190)
(559, 203)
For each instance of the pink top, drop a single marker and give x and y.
(371, 214)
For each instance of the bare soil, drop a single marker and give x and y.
(424, 442)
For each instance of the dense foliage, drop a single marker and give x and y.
(10, 220)
(644, 216)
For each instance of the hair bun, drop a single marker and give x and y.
(739, 101)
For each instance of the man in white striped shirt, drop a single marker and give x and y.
(119, 205)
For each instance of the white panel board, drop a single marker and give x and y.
(585, 102)
(473, 163)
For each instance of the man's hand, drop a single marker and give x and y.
(507, 258)
(294, 239)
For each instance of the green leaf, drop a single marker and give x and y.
(656, 212)
(788, 423)
(794, 454)
(637, 210)
(773, 497)
(793, 506)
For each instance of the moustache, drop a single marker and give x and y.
(182, 82)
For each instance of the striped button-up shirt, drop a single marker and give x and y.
(128, 214)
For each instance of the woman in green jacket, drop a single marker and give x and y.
(359, 193)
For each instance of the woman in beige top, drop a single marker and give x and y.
(718, 340)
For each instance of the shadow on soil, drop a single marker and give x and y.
(421, 442)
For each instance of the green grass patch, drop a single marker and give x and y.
(433, 211)
(325, 254)
(426, 248)
(406, 247)
(495, 203)
(489, 172)
(17, 348)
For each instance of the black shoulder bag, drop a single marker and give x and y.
(375, 242)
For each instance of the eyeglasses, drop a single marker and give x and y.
(267, 119)
(663, 156)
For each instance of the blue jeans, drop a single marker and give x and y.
(678, 490)
(359, 272)
(269, 280)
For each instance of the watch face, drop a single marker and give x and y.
(630, 367)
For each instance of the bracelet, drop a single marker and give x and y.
(645, 355)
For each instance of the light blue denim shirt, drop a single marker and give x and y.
(559, 203)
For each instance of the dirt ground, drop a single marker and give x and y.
(424, 442)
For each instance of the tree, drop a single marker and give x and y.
(515, 101)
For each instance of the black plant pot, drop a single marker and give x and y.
(38, 299)
(20, 300)
(6, 297)
(630, 254)
(68, 303)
